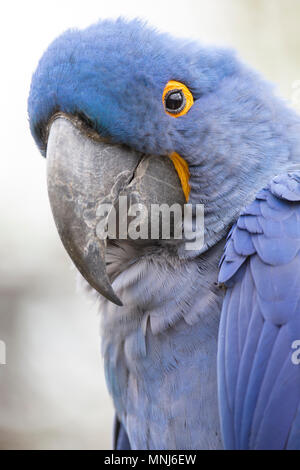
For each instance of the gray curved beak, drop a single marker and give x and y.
(82, 172)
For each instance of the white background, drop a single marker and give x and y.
(52, 390)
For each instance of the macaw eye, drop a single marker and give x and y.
(174, 101)
(177, 99)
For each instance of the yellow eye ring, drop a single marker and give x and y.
(177, 99)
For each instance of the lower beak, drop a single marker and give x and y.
(82, 172)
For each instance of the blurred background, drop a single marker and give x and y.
(52, 389)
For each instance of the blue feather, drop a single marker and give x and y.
(259, 386)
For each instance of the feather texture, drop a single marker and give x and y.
(160, 351)
(259, 385)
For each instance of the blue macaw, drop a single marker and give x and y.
(198, 345)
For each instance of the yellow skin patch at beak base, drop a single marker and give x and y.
(182, 169)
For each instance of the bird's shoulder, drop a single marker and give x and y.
(269, 227)
(260, 321)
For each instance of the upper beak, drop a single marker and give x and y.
(82, 172)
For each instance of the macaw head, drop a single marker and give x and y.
(119, 108)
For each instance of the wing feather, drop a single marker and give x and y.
(259, 385)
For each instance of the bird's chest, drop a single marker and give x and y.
(164, 385)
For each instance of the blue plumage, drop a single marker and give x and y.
(160, 349)
(259, 386)
(100, 72)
